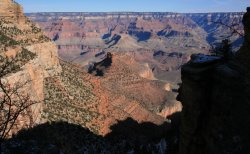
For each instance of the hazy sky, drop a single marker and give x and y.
(134, 5)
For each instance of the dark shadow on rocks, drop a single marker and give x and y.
(55, 137)
(100, 67)
(142, 132)
(62, 137)
(174, 137)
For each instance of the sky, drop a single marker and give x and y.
(181, 6)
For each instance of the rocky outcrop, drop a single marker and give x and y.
(11, 10)
(215, 97)
(25, 36)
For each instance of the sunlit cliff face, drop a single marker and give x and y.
(11, 11)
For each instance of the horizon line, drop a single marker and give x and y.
(134, 12)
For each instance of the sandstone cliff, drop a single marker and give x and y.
(20, 36)
(11, 11)
(215, 97)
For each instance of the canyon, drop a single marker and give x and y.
(66, 92)
(163, 41)
(131, 105)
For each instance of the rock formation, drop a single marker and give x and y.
(215, 98)
(18, 36)
(11, 10)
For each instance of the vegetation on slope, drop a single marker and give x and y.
(69, 97)
(11, 35)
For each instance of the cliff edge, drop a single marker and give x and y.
(215, 98)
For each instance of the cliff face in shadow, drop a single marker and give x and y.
(215, 97)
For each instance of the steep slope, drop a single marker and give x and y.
(120, 110)
(35, 54)
(99, 102)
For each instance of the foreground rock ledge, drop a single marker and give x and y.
(215, 98)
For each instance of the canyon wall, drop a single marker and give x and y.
(19, 36)
(119, 32)
(170, 32)
(216, 26)
(162, 40)
(215, 98)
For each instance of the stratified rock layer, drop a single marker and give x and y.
(18, 34)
